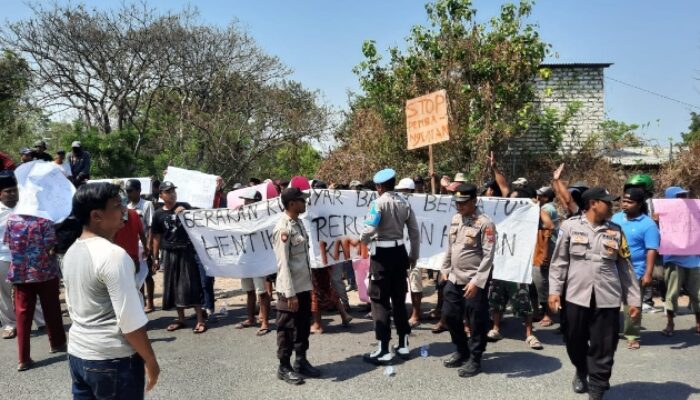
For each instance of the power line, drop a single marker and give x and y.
(653, 93)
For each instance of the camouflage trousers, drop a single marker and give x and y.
(518, 294)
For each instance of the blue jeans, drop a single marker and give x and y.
(207, 283)
(120, 378)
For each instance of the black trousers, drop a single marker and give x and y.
(456, 309)
(387, 289)
(293, 328)
(591, 336)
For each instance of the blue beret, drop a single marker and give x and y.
(384, 175)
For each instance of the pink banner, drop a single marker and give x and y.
(679, 223)
(361, 267)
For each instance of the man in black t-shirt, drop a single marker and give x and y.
(172, 247)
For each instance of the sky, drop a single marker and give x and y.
(652, 45)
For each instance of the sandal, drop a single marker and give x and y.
(633, 345)
(438, 329)
(176, 325)
(545, 323)
(243, 325)
(494, 336)
(9, 334)
(534, 343)
(200, 328)
(25, 366)
(413, 323)
(263, 331)
(346, 323)
(149, 310)
(667, 331)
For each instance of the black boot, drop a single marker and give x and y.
(381, 356)
(402, 349)
(580, 383)
(304, 367)
(596, 393)
(287, 374)
(455, 360)
(472, 368)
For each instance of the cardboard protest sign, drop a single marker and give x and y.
(194, 187)
(238, 243)
(145, 183)
(44, 191)
(679, 225)
(427, 120)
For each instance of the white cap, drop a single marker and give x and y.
(520, 182)
(75, 144)
(406, 183)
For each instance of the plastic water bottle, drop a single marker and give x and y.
(389, 371)
(424, 351)
(223, 312)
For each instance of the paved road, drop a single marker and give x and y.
(230, 364)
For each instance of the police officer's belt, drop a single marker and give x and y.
(389, 243)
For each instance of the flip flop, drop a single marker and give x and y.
(149, 310)
(667, 332)
(346, 323)
(413, 323)
(633, 345)
(9, 334)
(243, 325)
(199, 328)
(263, 331)
(438, 329)
(176, 325)
(545, 323)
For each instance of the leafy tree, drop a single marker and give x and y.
(486, 69)
(693, 134)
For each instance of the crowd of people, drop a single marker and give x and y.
(587, 264)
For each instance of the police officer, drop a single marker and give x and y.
(291, 245)
(384, 227)
(591, 268)
(465, 271)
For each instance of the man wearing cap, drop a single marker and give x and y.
(255, 286)
(591, 269)
(389, 263)
(643, 239)
(40, 151)
(182, 287)
(679, 272)
(144, 209)
(26, 155)
(465, 273)
(291, 246)
(79, 161)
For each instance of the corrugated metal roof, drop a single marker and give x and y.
(575, 65)
(639, 156)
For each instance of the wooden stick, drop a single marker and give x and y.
(431, 168)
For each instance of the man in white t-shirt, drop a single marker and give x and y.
(109, 324)
(62, 164)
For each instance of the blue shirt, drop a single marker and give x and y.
(683, 261)
(642, 234)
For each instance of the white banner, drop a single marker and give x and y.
(238, 243)
(145, 183)
(194, 187)
(267, 190)
(44, 191)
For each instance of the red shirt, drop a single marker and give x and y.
(128, 237)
